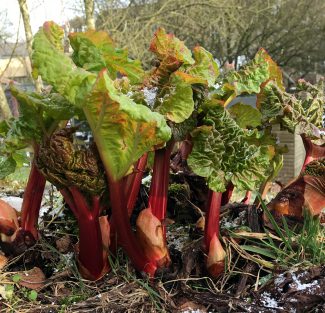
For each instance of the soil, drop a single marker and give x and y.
(49, 269)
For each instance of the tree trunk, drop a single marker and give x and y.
(5, 112)
(28, 33)
(90, 20)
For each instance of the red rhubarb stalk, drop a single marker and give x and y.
(133, 183)
(126, 237)
(32, 201)
(247, 197)
(215, 253)
(226, 196)
(212, 217)
(93, 263)
(160, 178)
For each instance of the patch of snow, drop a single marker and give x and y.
(279, 279)
(150, 95)
(68, 258)
(15, 202)
(268, 301)
(177, 237)
(146, 181)
(301, 286)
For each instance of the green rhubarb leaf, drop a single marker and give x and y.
(167, 46)
(206, 156)
(176, 101)
(51, 105)
(7, 166)
(123, 130)
(233, 159)
(245, 115)
(4, 127)
(54, 33)
(249, 78)
(95, 50)
(56, 68)
(274, 70)
(301, 113)
(21, 158)
(204, 71)
(171, 54)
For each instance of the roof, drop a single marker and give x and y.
(16, 49)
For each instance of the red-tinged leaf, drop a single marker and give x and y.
(167, 45)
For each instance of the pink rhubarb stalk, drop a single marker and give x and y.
(247, 197)
(133, 183)
(158, 194)
(150, 229)
(213, 247)
(32, 203)
(126, 237)
(226, 196)
(92, 258)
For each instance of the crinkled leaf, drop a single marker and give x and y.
(171, 53)
(301, 113)
(51, 105)
(123, 130)
(233, 159)
(204, 71)
(315, 168)
(56, 68)
(176, 102)
(4, 127)
(64, 165)
(7, 166)
(249, 78)
(39, 113)
(54, 33)
(181, 130)
(206, 156)
(167, 45)
(245, 115)
(95, 50)
(275, 72)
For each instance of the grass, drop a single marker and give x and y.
(300, 246)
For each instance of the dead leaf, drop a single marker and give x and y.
(192, 307)
(32, 279)
(63, 244)
(3, 261)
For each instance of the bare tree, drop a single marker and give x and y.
(5, 112)
(28, 33)
(89, 10)
(291, 30)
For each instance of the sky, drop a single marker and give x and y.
(40, 11)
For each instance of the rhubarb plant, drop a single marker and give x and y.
(301, 113)
(132, 112)
(39, 116)
(123, 129)
(228, 151)
(78, 173)
(172, 89)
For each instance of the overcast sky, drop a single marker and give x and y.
(59, 11)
